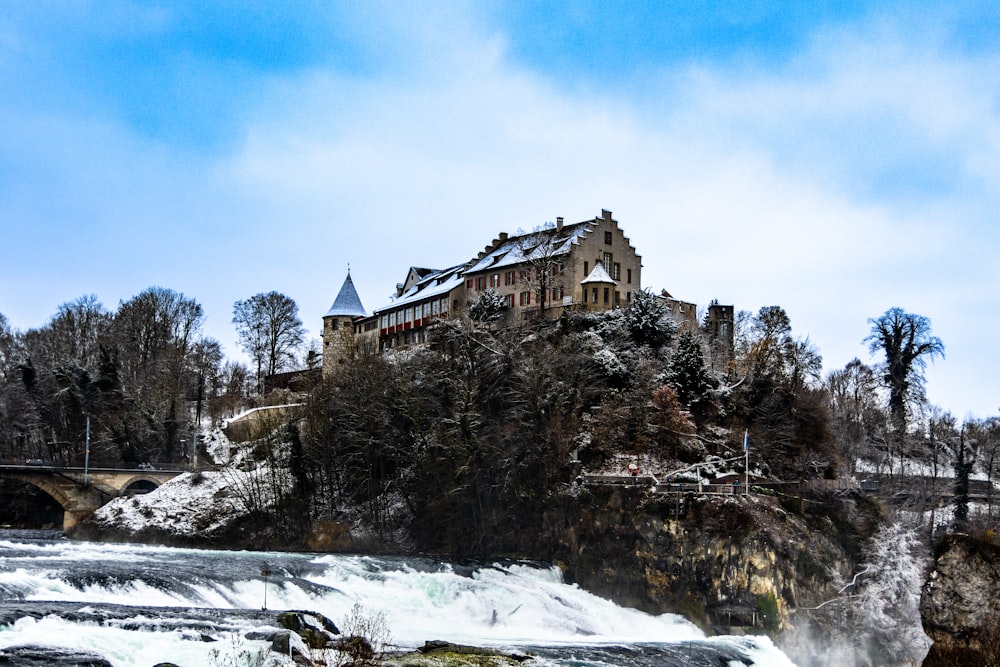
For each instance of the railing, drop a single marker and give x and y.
(659, 487)
(58, 467)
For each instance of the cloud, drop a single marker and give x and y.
(756, 187)
(855, 175)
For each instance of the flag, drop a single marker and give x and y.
(746, 441)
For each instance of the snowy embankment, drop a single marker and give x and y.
(190, 504)
(193, 507)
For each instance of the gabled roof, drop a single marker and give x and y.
(347, 303)
(599, 275)
(434, 284)
(539, 244)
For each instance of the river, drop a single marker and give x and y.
(141, 605)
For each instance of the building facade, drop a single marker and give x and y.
(589, 265)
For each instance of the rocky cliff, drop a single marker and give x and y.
(960, 605)
(721, 560)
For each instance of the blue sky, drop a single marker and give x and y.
(836, 159)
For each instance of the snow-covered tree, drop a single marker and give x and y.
(647, 321)
(488, 306)
(688, 374)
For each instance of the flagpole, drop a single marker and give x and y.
(746, 464)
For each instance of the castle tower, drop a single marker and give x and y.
(338, 327)
(720, 326)
(599, 290)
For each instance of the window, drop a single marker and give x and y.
(392, 319)
(618, 298)
(334, 324)
(525, 298)
(586, 269)
(594, 293)
(557, 294)
(468, 284)
(407, 315)
(509, 278)
(607, 238)
(608, 259)
(481, 283)
(495, 280)
(585, 295)
(435, 307)
(385, 321)
(607, 295)
(628, 274)
(508, 300)
(616, 272)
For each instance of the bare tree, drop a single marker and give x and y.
(269, 330)
(150, 370)
(987, 432)
(544, 250)
(857, 415)
(905, 340)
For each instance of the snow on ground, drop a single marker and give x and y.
(190, 503)
(193, 502)
(914, 467)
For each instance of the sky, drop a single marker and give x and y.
(837, 159)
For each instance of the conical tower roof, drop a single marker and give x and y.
(347, 303)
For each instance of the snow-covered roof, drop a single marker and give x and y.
(347, 303)
(599, 275)
(549, 242)
(434, 284)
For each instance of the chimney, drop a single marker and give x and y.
(559, 223)
(606, 213)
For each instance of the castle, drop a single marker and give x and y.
(588, 265)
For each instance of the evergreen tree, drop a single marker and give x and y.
(647, 320)
(688, 374)
(488, 307)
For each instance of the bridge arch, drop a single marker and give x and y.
(49, 488)
(78, 492)
(138, 484)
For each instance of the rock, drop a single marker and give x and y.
(283, 642)
(316, 630)
(439, 646)
(962, 593)
(439, 653)
(48, 656)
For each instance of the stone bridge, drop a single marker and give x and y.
(80, 491)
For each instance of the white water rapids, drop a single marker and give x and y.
(518, 606)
